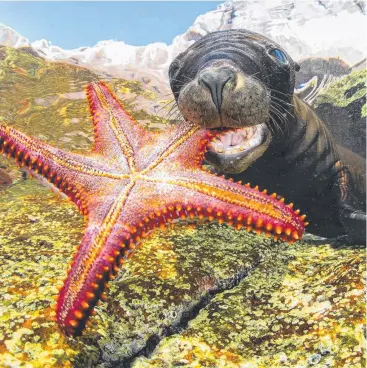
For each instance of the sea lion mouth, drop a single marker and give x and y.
(234, 150)
(238, 141)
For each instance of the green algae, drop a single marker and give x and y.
(309, 312)
(345, 90)
(167, 278)
(34, 247)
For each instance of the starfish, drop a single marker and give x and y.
(134, 181)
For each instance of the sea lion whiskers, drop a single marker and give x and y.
(178, 118)
(268, 87)
(174, 109)
(281, 108)
(276, 108)
(168, 115)
(278, 121)
(274, 91)
(282, 93)
(282, 101)
(276, 125)
(253, 75)
(166, 105)
(181, 82)
(271, 127)
(279, 113)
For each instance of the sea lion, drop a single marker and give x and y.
(240, 84)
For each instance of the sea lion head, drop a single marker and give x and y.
(240, 84)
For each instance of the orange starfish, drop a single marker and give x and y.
(134, 181)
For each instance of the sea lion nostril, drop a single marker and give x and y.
(215, 80)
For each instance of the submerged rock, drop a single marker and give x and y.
(307, 312)
(342, 105)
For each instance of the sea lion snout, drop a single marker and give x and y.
(215, 80)
(233, 79)
(221, 95)
(237, 81)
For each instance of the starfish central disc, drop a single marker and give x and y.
(132, 182)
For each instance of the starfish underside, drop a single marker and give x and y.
(132, 182)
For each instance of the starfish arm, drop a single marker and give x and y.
(215, 198)
(104, 244)
(92, 267)
(71, 173)
(108, 240)
(116, 132)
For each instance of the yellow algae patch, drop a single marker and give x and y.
(36, 244)
(307, 311)
(125, 90)
(193, 352)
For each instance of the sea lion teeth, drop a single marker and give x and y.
(219, 147)
(226, 138)
(237, 138)
(216, 145)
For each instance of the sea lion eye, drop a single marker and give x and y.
(279, 55)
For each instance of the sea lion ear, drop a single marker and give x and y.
(296, 67)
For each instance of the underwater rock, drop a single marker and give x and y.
(307, 312)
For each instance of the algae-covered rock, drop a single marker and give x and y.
(172, 274)
(342, 105)
(208, 296)
(309, 312)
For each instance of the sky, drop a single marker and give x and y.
(75, 24)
